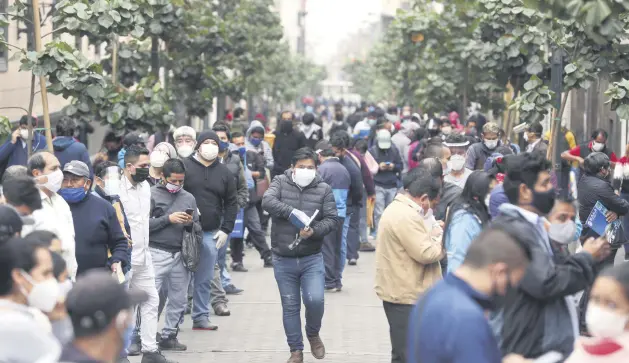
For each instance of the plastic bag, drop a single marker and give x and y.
(191, 247)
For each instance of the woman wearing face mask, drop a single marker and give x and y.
(185, 141)
(300, 268)
(607, 319)
(598, 143)
(28, 290)
(458, 174)
(96, 227)
(162, 152)
(466, 217)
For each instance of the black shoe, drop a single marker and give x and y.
(188, 310)
(171, 343)
(222, 310)
(352, 262)
(232, 290)
(204, 325)
(268, 262)
(155, 357)
(238, 267)
(330, 288)
(123, 360)
(366, 247)
(135, 348)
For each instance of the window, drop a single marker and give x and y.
(4, 53)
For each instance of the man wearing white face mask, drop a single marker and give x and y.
(213, 186)
(185, 141)
(27, 290)
(46, 170)
(458, 174)
(479, 152)
(598, 143)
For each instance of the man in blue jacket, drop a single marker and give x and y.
(67, 148)
(336, 176)
(13, 151)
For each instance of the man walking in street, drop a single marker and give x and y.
(212, 185)
(135, 195)
(299, 270)
(173, 211)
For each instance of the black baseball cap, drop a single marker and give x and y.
(95, 301)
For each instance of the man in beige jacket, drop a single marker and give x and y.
(407, 254)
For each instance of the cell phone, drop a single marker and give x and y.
(388, 163)
(550, 357)
(189, 211)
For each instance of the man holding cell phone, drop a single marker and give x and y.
(173, 210)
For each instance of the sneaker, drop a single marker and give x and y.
(204, 325)
(155, 357)
(316, 347)
(238, 267)
(352, 262)
(296, 356)
(339, 288)
(135, 348)
(123, 360)
(330, 288)
(171, 343)
(221, 310)
(366, 247)
(232, 290)
(268, 262)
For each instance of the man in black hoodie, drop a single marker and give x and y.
(287, 141)
(312, 131)
(213, 186)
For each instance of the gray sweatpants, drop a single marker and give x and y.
(170, 271)
(217, 293)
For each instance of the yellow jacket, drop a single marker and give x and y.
(407, 257)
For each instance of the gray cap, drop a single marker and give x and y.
(77, 168)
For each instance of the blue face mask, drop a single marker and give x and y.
(223, 145)
(72, 195)
(242, 151)
(255, 141)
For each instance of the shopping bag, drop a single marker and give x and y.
(239, 226)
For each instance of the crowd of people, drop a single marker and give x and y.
(482, 253)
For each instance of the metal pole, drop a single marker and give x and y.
(42, 79)
(556, 82)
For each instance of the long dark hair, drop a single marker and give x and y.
(472, 199)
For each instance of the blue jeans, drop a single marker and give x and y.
(362, 228)
(226, 278)
(295, 275)
(384, 197)
(344, 240)
(202, 278)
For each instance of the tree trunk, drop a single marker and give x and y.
(555, 134)
(29, 142)
(155, 57)
(465, 85)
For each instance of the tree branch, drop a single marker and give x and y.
(11, 45)
(54, 31)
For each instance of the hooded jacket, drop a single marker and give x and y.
(264, 148)
(68, 149)
(255, 162)
(313, 134)
(477, 154)
(16, 154)
(540, 315)
(163, 234)
(336, 176)
(115, 202)
(286, 143)
(235, 166)
(213, 188)
(282, 197)
(449, 193)
(592, 189)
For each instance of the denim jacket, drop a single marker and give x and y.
(462, 230)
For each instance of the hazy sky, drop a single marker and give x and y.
(329, 21)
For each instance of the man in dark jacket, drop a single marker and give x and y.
(336, 176)
(256, 165)
(170, 207)
(540, 314)
(300, 268)
(66, 147)
(13, 151)
(312, 131)
(287, 141)
(96, 227)
(479, 152)
(212, 185)
(351, 237)
(390, 166)
(369, 193)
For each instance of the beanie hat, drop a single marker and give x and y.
(205, 135)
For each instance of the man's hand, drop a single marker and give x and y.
(515, 358)
(383, 166)
(306, 233)
(436, 231)
(371, 198)
(611, 216)
(391, 166)
(599, 248)
(179, 218)
(15, 135)
(116, 266)
(255, 174)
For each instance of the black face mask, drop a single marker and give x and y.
(141, 174)
(544, 201)
(286, 126)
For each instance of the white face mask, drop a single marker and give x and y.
(158, 158)
(456, 162)
(24, 134)
(112, 187)
(563, 233)
(303, 177)
(491, 144)
(185, 150)
(597, 146)
(604, 323)
(446, 130)
(43, 295)
(526, 136)
(55, 179)
(64, 288)
(208, 151)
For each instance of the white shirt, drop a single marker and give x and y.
(136, 200)
(55, 216)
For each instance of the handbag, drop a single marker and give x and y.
(191, 247)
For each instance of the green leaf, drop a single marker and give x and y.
(532, 83)
(534, 68)
(623, 112)
(570, 68)
(115, 15)
(105, 21)
(155, 27)
(95, 91)
(125, 53)
(135, 112)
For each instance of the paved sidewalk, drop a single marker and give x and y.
(354, 329)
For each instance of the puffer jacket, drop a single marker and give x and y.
(539, 315)
(233, 163)
(279, 201)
